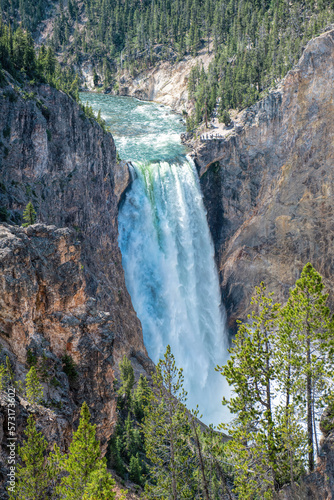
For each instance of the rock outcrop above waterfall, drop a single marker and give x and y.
(166, 83)
(63, 289)
(53, 155)
(268, 184)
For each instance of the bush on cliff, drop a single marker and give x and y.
(29, 215)
(34, 389)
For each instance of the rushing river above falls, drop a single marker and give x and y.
(166, 246)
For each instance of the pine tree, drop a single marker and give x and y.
(84, 468)
(196, 435)
(9, 370)
(3, 377)
(115, 449)
(32, 477)
(128, 436)
(308, 349)
(6, 375)
(140, 397)
(135, 469)
(166, 431)
(101, 485)
(251, 372)
(127, 379)
(34, 390)
(29, 215)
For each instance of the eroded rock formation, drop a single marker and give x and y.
(166, 83)
(66, 165)
(62, 290)
(268, 184)
(45, 309)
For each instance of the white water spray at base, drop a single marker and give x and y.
(170, 272)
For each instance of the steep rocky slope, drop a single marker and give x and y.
(45, 309)
(52, 154)
(62, 290)
(268, 184)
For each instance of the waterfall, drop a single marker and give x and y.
(170, 272)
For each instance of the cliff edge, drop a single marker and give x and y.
(268, 184)
(63, 294)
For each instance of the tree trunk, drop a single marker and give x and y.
(309, 407)
(270, 421)
(314, 424)
(201, 463)
(172, 450)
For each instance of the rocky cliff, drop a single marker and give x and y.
(66, 165)
(268, 184)
(165, 83)
(62, 289)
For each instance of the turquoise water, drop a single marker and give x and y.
(167, 251)
(142, 131)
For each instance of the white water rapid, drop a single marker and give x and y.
(170, 272)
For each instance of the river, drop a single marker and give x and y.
(167, 251)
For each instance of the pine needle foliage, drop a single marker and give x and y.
(254, 44)
(19, 57)
(166, 431)
(29, 215)
(34, 389)
(250, 372)
(83, 473)
(6, 375)
(127, 379)
(32, 473)
(307, 350)
(281, 373)
(126, 453)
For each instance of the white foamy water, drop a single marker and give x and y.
(170, 272)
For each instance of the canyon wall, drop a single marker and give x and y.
(62, 290)
(268, 184)
(53, 155)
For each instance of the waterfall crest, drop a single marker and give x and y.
(168, 258)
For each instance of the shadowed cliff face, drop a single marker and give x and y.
(66, 165)
(63, 290)
(268, 185)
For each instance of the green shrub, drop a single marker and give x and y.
(31, 358)
(69, 367)
(55, 382)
